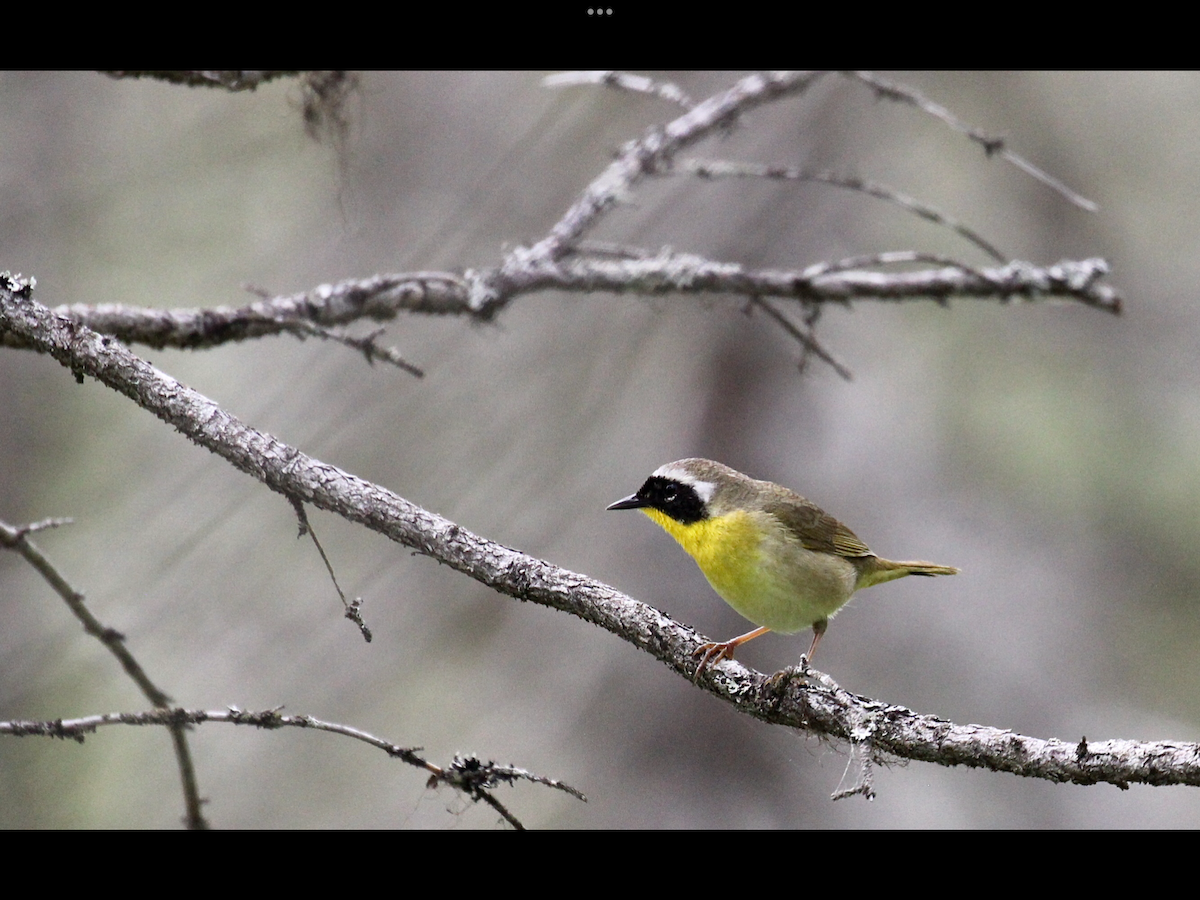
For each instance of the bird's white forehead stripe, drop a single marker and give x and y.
(705, 489)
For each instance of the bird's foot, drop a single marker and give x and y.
(786, 674)
(711, 653)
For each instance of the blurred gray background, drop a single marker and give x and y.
(1049, 450)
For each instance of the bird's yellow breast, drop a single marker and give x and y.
(762, 570)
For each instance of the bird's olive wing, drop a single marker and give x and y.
(815, 529)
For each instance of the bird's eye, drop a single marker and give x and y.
(669, 495)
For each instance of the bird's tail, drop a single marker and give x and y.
(881, 570)
(924, 568)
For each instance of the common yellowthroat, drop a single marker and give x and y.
(776, 558)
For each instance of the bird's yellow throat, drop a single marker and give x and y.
(717, 544)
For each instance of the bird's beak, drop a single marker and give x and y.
(630, 502)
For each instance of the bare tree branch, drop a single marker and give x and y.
(560, 262)
(467, 774)
(17, 539)
(889, 731)
(379, 297)
(482, 294)
(893, 731)
(689, 274)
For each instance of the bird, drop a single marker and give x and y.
(778, 559)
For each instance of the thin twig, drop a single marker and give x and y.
(714, 168)
(889, 258)
(807, 339)
(353, 609)
(610, 248)
(34, 527)
(477, 778)
(638, 84)
(17, 539)
(992, 146)
(364, 345)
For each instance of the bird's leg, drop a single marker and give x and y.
(805, 661)
(819, 627)
(711, 653)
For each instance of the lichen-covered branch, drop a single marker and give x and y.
(564, 261)
(481, 294)
(788, 698)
